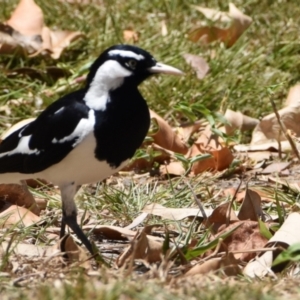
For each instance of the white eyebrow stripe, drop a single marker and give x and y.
(126, 53)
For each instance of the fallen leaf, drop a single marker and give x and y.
(209, 143)
(251, 207)
(246, 237)
(228, 264)
(218, 217)
(268, 130)
(275, 167)
(61, 39)
(220, 159)
(238, 121)
(14, 215)
(174, 213)
(25, 249)
(18, 194)
(287, 235)
(166, 137)
(130, 36)
(13, 41)
(198, 63)
(185, 132)
(265, 144)
(73, 251)
(207, 34)
(27, 18)
(293, 97)
(26, 29)
(142, 247)
(110, 232)
(173, 168)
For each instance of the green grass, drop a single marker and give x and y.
(266, 56)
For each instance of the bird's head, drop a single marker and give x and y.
(125, 62)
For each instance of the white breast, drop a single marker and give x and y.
(80, 166)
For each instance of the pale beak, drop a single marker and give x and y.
(165, 69)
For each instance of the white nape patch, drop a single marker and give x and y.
(83, 128)
(108, 77)
(60, 110)
(126, 53)
(22, 148)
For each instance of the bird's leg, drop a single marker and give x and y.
(68, 192)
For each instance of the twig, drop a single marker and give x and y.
(285, 131)
(197, 201)
(231, 202)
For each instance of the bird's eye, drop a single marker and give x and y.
(132, 64)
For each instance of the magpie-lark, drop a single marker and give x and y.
(86, 135)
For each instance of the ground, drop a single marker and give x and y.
(262, 63)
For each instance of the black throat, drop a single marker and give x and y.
(121, 128)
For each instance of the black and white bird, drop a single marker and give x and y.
(86, 135)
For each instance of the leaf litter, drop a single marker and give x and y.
(25, 31)
(242, 230)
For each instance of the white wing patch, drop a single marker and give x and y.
(108, 77)
(60, 110)
(22, 148)
(84, 127)
(126, 53)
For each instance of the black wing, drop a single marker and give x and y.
(46, 140)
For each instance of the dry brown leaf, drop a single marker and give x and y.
(264, 145)
(74, 252)
(26, 29)
(239, 23)
(228, 264)
(287, 235)
(198, 63)
(293, 98)
(232, 192)
(219, 216)
(208, 143)
(130, 36)
(275, 167)
(220, 159)
(27, 18)
(185, 132)
(111, 232)
(18, 194)
(173, 168)
(13, 41)
(61, 39)
(71, 250)
(166, 137)
(251, 207)
(174, 213)
(238, 121)
(25, 249)
(17, 215)
(268, 130)
(246, 237)
(142, 247)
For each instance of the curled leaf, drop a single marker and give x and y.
(166, 137)
(207, 34)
